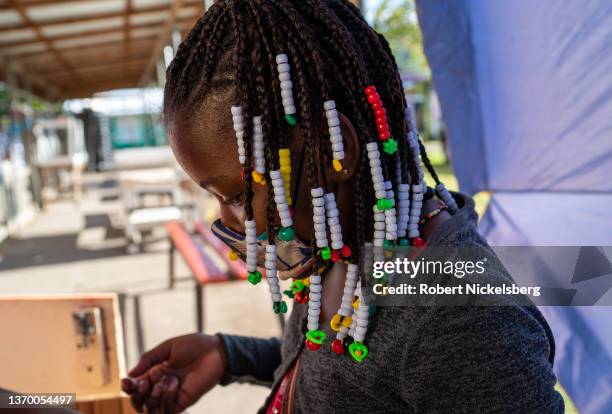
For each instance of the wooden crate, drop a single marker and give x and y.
(64, 344)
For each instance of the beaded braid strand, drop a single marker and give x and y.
(284, 75)
(335, 134)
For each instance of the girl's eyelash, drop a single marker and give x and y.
(237, 200)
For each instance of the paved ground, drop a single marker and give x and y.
(70, 249)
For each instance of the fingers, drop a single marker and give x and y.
(168, 400)
(140, 394)
(155, 356)
(129, 385)
(162, 396)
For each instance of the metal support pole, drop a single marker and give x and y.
(171, 266)
(199, 300)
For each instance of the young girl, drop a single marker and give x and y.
(292, 114)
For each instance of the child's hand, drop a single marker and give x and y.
(174, 375)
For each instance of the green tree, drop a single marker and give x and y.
(397, 20)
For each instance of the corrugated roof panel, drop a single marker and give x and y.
(9, 18)
(143, 4)
(189, 12)
(74, 9)
(88, 40)
(78, 27)
(153, 17)
(144, 32)
(17, 35)
(19, 50)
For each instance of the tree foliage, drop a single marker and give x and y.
(397, 20)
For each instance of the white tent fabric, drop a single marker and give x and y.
(526, 93)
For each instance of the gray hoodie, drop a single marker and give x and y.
(421, 359)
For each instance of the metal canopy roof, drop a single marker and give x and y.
(70, 48)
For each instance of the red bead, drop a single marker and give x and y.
(417, 241)
(381, 119)
(382, 127)
(346, 251)
(380, 113)
(337, 347)
(242, 173)
(291, 211)
(312, 346)
(373, 98)
(377, 105)
(384, 135)
(335, 256)
(370, 90)
(301, 297)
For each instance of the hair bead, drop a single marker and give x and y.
(284, 76)
(238, 120)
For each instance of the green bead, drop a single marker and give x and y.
(326, 253)
(279, 307)
(384, 204)
(254, 277)
(388, 243)
(318, 337)
(297, 286)
(263, 236)
(286, 233)
(372, 310)
(289, 293)
(404, 242)
(390, 146)
(358, 351)
(290, 120)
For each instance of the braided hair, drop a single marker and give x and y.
(333, 54)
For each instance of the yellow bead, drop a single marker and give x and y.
(306, 281)
(285, 169)
(257, 177)
(232, 255)
(289, 200)
(356, 303)
(337, 165)
(346, 322)
(335, 322)
(284, 152)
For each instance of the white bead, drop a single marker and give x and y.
(332, 221)
(315, 278)
(316, 288)
(315, 296)
(290, 110)
(321, 243)
(288, 102)
(320, 234)
(375, 162)
(329, 105)
(314, 305)
(417, 188)
(283, 67)
(332, 122)
(413, 233)
(286, 84)
(313, 327)
(336, 138)
(336, 130)
(319, 227)
(236, 110)
(371, 146)
(284, 77)
(337, 245)
(319, 219)
(338, 155)
(417, 197)
(281, 58)
(318, 210)
(317, 192)
(333, 213)
(331, 113)
(380, 194)
(337, 146)
(379, 226)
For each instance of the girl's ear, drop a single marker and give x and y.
(352, 152)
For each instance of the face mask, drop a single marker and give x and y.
(293, 257)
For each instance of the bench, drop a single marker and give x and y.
(204, 270)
